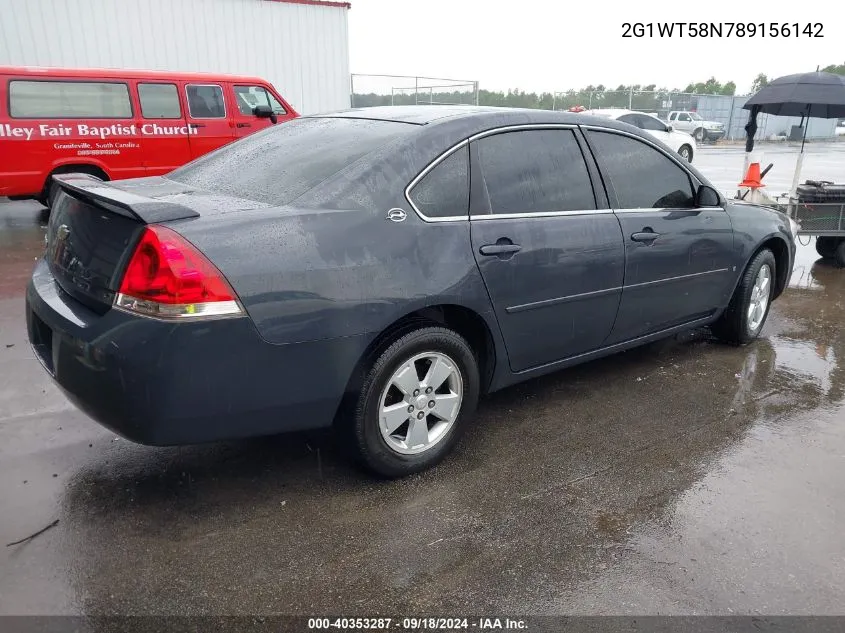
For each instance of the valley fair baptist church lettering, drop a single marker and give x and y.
(99, 131)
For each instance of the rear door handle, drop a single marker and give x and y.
(244, 124)
(645, 236)
(196, 125)
(500, 248)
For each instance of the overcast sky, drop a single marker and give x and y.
(548, 45)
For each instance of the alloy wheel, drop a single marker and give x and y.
(760, 293)
(420, 403)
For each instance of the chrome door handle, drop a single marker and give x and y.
(647, 237)
(499, 249)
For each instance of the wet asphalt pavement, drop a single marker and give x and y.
(683, 477)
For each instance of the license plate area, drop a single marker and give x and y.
(41, 338)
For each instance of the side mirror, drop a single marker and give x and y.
(706, 196)
(265, 112)
(669, 128)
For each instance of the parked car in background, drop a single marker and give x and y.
(116, 124)
(380, 269)
(840, 127)
(681, 142)
(693, 123)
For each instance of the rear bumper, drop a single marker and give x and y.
(162, 383)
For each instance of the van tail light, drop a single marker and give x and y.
(168, 278)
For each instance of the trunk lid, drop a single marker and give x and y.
(94, 227)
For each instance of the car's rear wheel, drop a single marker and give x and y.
(744, 318)
(414, 402)
(686, 153)
(826, 246)
(700, 135)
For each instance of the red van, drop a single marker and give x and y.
(119, 123)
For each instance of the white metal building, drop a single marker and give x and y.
(300, 46)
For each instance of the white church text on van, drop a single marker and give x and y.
(99, 131)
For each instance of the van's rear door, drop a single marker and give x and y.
(164, 125)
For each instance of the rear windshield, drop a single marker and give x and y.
(279, 164)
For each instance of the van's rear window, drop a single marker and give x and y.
(279, 164)
(69, 100)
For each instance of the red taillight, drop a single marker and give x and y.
(168, 277)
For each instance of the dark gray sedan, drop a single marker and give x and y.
(380, 269)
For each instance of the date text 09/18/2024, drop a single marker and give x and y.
(723, 29)
(416, 624)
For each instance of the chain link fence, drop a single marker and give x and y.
(724, 109)
(380, 90)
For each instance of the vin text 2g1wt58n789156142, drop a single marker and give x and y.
(741, 30)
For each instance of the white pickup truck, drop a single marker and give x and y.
(693, 123)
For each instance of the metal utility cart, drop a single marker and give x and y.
(823, 220)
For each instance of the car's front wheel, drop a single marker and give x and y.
(700, 135)
(414, 402)
(686, 153)
(744, 318)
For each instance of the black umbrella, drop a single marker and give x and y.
(819, 95)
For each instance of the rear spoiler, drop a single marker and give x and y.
(121, 200)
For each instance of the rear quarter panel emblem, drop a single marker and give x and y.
(396, 215)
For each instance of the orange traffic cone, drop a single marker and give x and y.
(752, 178)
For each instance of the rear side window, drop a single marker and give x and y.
(206, 101)
(159, 101)
(282, 162)
(643, 177)
(535, 171)
(69, 100)
(444, 191)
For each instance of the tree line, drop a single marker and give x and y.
(649, 97)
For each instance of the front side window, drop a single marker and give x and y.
(650, 123)
(642, 176)
(683, 117)
(69, 100)
(248, 97)
(444, 191)
(206, 101)
(159, 101)
(695, 116)
(535, 171)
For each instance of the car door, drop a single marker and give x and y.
(677, 255)
(245, 98)
(164, 128)
(210, 124)
(551, 254)
(684, 122)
